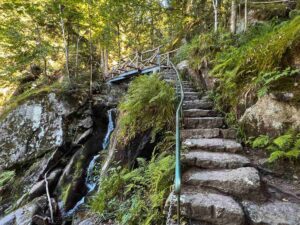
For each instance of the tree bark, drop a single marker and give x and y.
(65, 42)
(233, 17)
(246, 15)
(215, 7)
(91, 49)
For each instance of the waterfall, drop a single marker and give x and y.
(92, 178)
(110, 128)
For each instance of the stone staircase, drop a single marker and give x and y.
(219, 185)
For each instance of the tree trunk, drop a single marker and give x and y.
(77, 53)
(233, 17)
(65, 42)
(246, 15)
(91, 49)
(215, 6)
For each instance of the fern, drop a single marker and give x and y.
(261, 142)
(284, 142)
(276, 155)
(148, 105)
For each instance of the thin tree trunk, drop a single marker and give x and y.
(233, 17)
(91, 49)
(215, 6)
(246, 15)
(65, 42)
(76, 59)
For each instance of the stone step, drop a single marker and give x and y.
(213, 144)
(195, 93)
(199, 113)
(191, 97)
(208, 133)
(198, 104)
(237, 182)
(214, 160)
(208, 208)
(203, 122)
(272, 213)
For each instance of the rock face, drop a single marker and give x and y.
(275, 213)
(31, 130)
(270, 116)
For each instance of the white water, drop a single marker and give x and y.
(110, 128)
(92, 179)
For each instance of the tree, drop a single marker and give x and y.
(233, 16)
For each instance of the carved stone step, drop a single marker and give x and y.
(208, 133)
(209, 208)
(198, 104)
(203, 122)
(191, 97)
(214, 160)
(238, 182)
(273, 213)
(199, 113)
(213, 144)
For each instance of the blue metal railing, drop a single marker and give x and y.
(177, 182)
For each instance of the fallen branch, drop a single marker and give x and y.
(48, 197)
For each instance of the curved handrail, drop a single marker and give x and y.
(177, 182)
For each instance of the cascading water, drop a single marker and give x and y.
(92, 177)
(110, 128)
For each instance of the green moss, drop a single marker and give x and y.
(65, 193)
(6, 177)
(149, 104)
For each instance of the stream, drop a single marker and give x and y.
(92, 177)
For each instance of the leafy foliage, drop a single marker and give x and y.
(265, 80)
(261, 142)
(149, 104)
(286, 146)
(238, 67)
(136, 197)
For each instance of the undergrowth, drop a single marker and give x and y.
(148, 105)
(136, 197)
(240, 68)
(286, 146)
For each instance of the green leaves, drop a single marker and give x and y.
(136, 197)
(148, 105)
(261, 142)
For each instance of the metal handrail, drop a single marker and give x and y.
(177, 182)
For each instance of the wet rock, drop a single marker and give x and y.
(238, 182)
(25, 215)
(273, 213)
(86, 122)
(40, 188)
(83, 136)
(271, 117)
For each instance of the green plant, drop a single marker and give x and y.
(148, 105)
(265, 80)
(136, 197)
(261, 141)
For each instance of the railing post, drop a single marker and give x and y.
(158, 58)
(137, 59)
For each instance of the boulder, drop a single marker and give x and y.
(270, 116)
(31, 130)
(28, 213)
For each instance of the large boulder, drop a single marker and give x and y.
(32, 129)
(270, 116)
